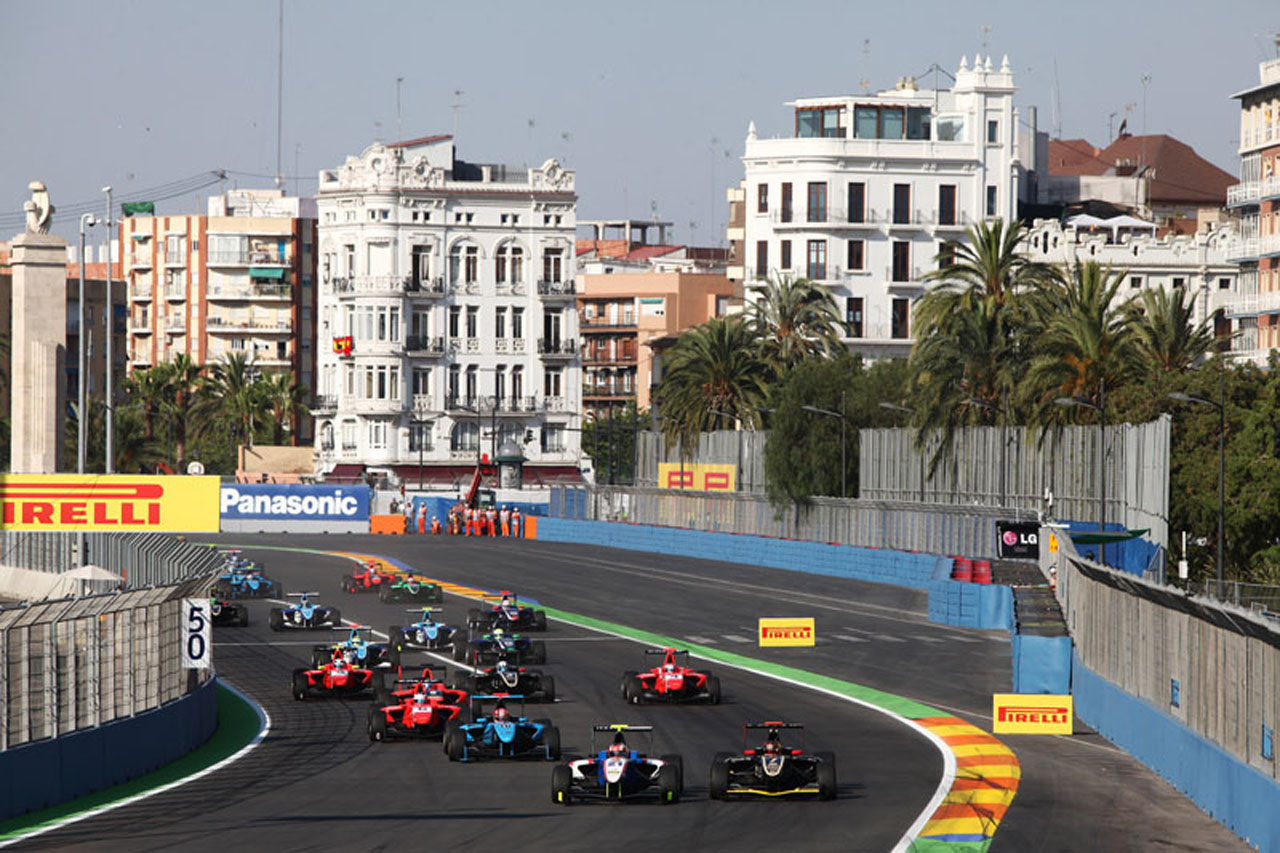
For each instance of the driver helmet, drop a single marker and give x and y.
(339, 662)
(772, 747)
(500, 712)
(617, 749)
(498, 632)
(670, 667)
(502, 665)
(506, 601)
(420, 697)
(434, 691)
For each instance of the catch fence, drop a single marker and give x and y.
(142, 559)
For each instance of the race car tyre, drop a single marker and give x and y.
(454, 744)
(561, 781)
(276, 619)
(243, 619)
(634, 690)
(348, 583)
(538, 652)
(626, 679)
(713, 688)
(460, 652)
(677, 762)
(335, 617)
(539, 620)
(277, 591)
(384, 594)
(437, 596)
(551, 737)
(826, 775)
(548, 688)
(393, 652)
(718, 783)
(299, 685)
(669, 786)
(377, 725)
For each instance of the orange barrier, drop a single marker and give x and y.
(392, 525)
(530, 526)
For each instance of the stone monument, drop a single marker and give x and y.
(38, 340)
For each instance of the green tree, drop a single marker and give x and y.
(1165, 337)
(285, 399)
(234, 397)
(794, 320)
(186, 382)
(610, 443)
(147, 391)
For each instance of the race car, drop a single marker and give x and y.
(506, 677)
(673, 681)
(228, 612)
(424, 712)
(501, 734)
(335, 678)
(367, 578)
(246, 582)
(488, 648)
(357, 650)
(426, 634)
(404, 687)
(410, 588)
(772, 770)
(618, 772)
(304, 614)
(505, 611)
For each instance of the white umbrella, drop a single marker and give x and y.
(91, 572)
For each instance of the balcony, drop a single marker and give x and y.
(140, 293)
(554, 289)
(226, 325)
(325, 403)
(256, 258)
(1242, 249)
(1257, 303)
(1269, 245)
(627, 359)
(915, 281)
(605, 390)
(429, 288)
(506, 288)
(175, 327)
(420, 345)
(555, 348)
(878, 333)
(140, 260)
(140, 327)
(175, 294)
(264, 292)
(372, 285)
(601, 324)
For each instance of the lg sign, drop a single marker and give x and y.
(1012, 538)
(1019, 540)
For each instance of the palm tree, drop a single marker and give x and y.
(1165, 338)
(232, 393)
(794, 319)
(285, 399)
(186, 379)
(715, 367)
(148, 390)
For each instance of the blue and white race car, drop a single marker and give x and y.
(427, 633)
(500, 733)
(246, 582)
(619, 772)
(305, 614)
(356, 650)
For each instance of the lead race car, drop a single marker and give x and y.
(672, 681)
(305, 614)
(427, 634)
(356, 650)
(501, 734)
(618, 772)
(424, 710)
(506, 677)
(505, 611)
(772, 769)
(335, 678)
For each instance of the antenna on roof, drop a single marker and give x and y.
(865, 83)
(1057, 102)
(986, 31)
(456, 106)
(399, 123)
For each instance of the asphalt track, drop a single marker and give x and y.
(316, 781)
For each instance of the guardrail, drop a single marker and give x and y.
(141, 558)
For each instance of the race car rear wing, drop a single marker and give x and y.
(617, 730)
(664, 651)
(430, 611)
(773, 724)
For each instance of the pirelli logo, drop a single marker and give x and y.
(109, 502)
(786, 632)
(1021, 713)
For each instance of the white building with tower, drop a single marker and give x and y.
(866, 190)
(446, 316)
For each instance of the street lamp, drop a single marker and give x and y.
(844, 467)
(1004, 444)
(1221, 406)
(111, 319)
(87, 220)
(1101, 409)
(894, 407)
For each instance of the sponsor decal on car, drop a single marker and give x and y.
(787, 632)
(1031, 714)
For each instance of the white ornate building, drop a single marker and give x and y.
(865, 192)
(446, 315)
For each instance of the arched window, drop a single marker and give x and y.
(465, 436)
(326, 435)
(509, 266)
(464, 263)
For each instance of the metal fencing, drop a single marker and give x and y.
(80, 662)
(1256, 596)
(745, 449)
(880, 524)
(142, 559)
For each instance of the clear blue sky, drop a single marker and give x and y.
(648, 102)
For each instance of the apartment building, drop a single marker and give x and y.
(1255, 205)
(867, 190)
(447, 326)
(239, 279)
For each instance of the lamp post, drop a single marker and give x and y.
(111, 320)
(1004, 444)
(1101, 409)
(419, 421)
(87, 220)
(844, 468)
(894, 407)
(1221, 406)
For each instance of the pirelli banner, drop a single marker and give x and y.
(786, 632)
(109, 502)
(697, 478)
(1031, 714)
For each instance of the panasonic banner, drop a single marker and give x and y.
(295, 508)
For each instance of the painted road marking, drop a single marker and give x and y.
(706, 641)
(888, 638)
(848, 639)
(924, 639)
(737, 638)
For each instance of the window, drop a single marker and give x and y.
(722, 307)
(500, 382)
(762, 258)
(464, 264)
(786, 202)
(500, 323)
(991, 200)
(455, 374)
(509, 266)
(817, 202)
(1224, 284)
(857, 202)
(918, 123)
(901, 261)
(891, 122)
(422, 380)
(421, 263)
(517, 322)
(947, 204)
(901, 315)
(552, 438)
(901, 204)
(551, 386)
(465, 436)
(552, 265)
(786, 255)
(326, 436)
(950, 128)
(853, 316)
(946, 254)
(819, 122)
(857, 255)
(817, 266)
(348, 435)
(455, 314)
(762, 198)
(517, 382)
(993, 132)
(175, 248)
(377, 435)
(1179, 281)
(1135, 282)
(349, 259)
(552, 321)
(420, 437)
(473, 321)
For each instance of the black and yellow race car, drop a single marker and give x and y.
(772, 769)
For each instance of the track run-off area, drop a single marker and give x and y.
(900, 701)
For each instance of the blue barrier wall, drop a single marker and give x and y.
(970, 605)
(42, 774)
(1041, 664)
(1132, 556)
(1230, 792)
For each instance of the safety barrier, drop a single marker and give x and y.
(142, 559)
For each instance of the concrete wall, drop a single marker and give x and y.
(47, 772)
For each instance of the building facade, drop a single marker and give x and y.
(868, 189)
(238, 280)
(1255, 205)
(446, 315)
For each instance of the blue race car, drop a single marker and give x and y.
(500, 734)
(246, 582)
(356, 650)
(618, 772)
(426, 634)
(304, 615)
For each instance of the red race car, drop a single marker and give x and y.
(422, 710)
(367, 578)
(673, 681)
(335, 678)
(405, 686)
